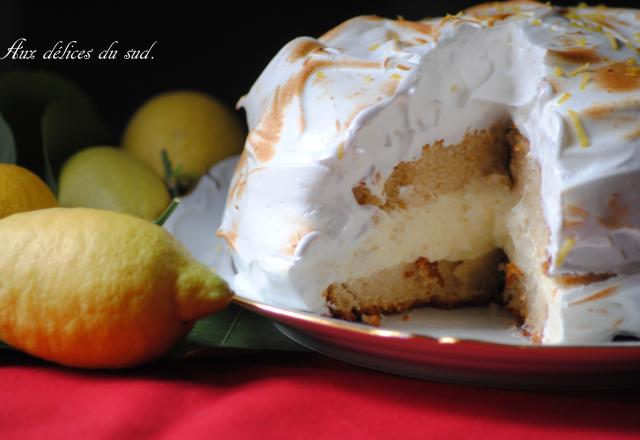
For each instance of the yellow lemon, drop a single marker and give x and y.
(108, 178)
(21, 190)
(194, 129)
(98, 289)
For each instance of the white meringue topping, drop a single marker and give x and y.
(329, 113)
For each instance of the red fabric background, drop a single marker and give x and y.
(293, 396)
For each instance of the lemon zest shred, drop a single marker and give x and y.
(580, 69)
(596, 16)
(564, 250)
(565, 96)
(577, 25)
(585, 80)
(572, 15)
(582, 135)
(558, 71)
(450, 17)
(613, 41)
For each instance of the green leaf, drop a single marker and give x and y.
(68, 126)
(51, 118)
(233, 328)
(24, 96)
(7, 144)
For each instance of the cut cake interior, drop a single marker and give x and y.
(477, 207)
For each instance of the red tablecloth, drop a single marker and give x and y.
(291, 396)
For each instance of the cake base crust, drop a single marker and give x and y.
(442, 284)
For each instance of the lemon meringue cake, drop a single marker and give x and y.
(450, 161)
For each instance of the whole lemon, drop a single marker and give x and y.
(194, 129)
(21, 190)
(108, 178)
(98, 289)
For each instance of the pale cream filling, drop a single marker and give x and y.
(460, 225)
